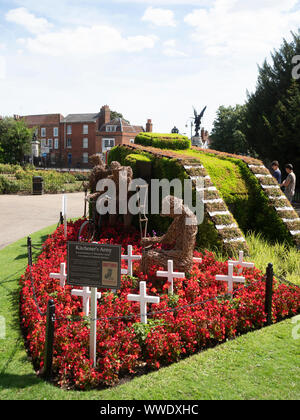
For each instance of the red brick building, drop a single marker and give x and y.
(68, 142)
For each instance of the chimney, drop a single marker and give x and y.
(149, 126)
(105, 115)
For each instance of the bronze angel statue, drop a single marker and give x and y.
(198, 119)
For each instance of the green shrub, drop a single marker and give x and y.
(9, 169)
(132, 159)
(8, 186)
(81, 177)
(163, 141)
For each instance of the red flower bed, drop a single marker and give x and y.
(190, 320)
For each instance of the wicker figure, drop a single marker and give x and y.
(99, 171)
(124, 173)
(182, 234)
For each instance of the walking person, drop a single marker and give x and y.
(290, 182)
(276, 171)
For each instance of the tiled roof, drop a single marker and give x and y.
(122, 125)
(46, 119)
(74, 118)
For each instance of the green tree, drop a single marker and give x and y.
(228, 134)
(273, 109)
(115, 114)
(15, 140)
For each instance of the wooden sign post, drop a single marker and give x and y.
(95, 266)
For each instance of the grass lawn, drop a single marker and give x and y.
(261, 365)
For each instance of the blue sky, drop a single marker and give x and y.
(147, 59)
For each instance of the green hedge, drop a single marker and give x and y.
(20, 181)
(8, 186)
(9, 169)
(132, 159)
(163, 141)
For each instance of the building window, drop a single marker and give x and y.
(69, 143)
(50, 143)
(56, 144)
(85, 158)
(69, 158)
(44, 143)
(111, 128)
(69, 129)
(55, 132)
(107, 144)
(85, 143)
(43, 132)
(85, 129)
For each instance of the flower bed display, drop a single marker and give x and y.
(180, 325)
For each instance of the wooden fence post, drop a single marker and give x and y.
(29, 251)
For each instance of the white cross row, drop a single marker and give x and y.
(230, 279)
(61, 276)
(170, 275)
(130, 259)
(241, 262)
(85, 293)
(144, 299)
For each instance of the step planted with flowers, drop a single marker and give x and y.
(272, 191)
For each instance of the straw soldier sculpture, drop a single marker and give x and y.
(181, 235)
(122, 174)
(99, 171)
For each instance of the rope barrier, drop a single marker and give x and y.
(283, 280)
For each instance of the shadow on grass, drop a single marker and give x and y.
(8, 380)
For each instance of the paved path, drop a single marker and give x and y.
(22, 215)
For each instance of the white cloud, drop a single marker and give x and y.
(159, 17)
(77, 41)
(170, 49)
(2, 67)
(170, 43)
(167, 2)
(31, 23)
(235, 28)
(86, 41)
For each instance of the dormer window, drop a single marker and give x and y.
(111, 128)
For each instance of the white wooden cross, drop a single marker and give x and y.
(93, 325)
(241, 262)
(61, 276)
(231, 278)
(143, 298)
(170, 275)
(85, 293)
(130, 258)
